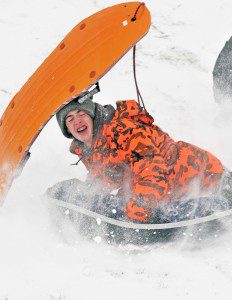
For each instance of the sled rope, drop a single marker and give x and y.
(84, 211)
(135, 15)
(139, 97)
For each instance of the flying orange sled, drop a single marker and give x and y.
(86, 54)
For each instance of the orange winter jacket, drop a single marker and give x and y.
(132, 154)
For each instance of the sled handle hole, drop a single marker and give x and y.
(72, 88)
(92, 74)
(62, 46)
(82, 26)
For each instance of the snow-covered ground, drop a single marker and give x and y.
(175, 62)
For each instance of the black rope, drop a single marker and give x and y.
(135, 15)
(139, 97)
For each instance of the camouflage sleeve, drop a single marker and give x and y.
(149, 182)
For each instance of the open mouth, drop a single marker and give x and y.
(82, 129)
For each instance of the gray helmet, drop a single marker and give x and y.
(87, 106)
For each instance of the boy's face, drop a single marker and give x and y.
(80, 125)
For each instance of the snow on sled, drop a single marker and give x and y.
(100, 216)
(86, 54)
(98, 227)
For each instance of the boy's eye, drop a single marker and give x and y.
(69, 120)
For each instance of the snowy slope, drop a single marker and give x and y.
(175, 62)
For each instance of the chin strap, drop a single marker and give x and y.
(76, 163)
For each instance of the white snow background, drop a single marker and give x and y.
(174, 68)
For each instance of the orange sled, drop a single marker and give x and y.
(89, 51)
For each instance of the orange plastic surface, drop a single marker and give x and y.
(80, 60)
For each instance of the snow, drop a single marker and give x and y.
(174, 69)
